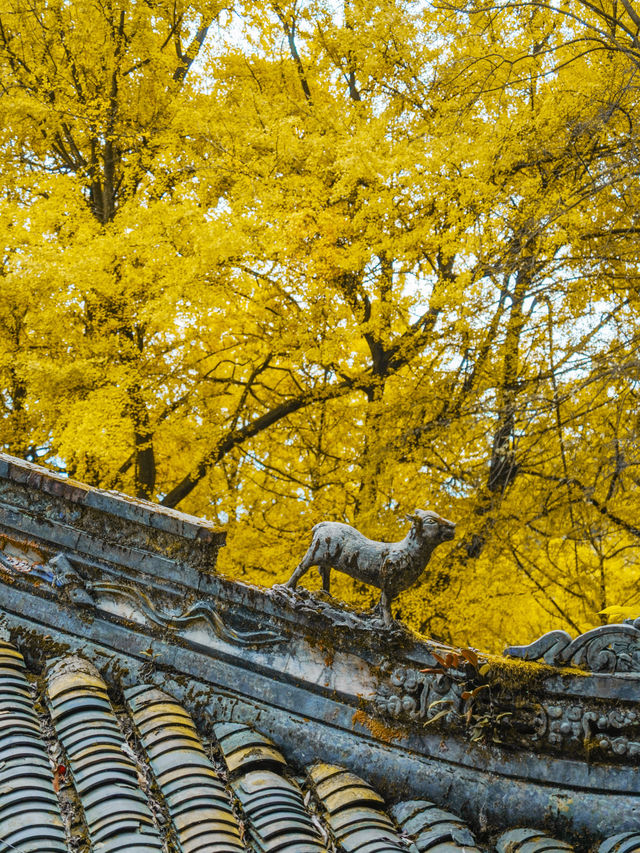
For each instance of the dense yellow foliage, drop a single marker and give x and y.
(283, 262)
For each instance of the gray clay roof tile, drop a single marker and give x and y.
(29, 811)
(529, 841)
(354, 811)
(262, 809)
(198, 804)
(626, 842)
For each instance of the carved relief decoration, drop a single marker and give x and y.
(608, 648)
(200, 611)
(614, 731)
(61, 574)
(540, 723)
(417, 696)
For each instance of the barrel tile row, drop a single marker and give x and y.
(624, 842)
(30, 819)
(354, 811)
(105, 776)
(274, 805)
(196, 799)
(433, 828)
(526, 840)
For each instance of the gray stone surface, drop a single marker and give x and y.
(102, 523)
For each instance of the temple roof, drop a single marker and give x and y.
(80, 767)
(85, 766)
(148, 703)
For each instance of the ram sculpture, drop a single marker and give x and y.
(390, 566)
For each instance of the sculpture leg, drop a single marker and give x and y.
(301, 570)
(325, 574)
(385, 607)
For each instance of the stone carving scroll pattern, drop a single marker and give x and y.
(549, 723)
(608, 648)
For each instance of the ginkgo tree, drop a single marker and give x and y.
(279, 262)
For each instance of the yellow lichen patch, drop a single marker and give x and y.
(516, 674)
(377, 728)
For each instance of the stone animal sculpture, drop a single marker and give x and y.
(389, 566)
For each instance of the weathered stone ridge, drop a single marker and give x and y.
(103, 524)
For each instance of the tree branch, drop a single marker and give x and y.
(236, 437)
